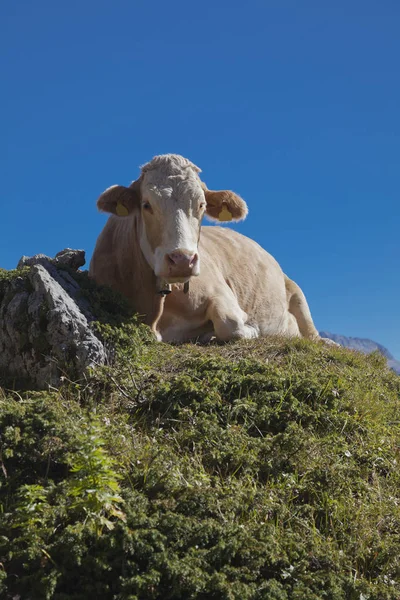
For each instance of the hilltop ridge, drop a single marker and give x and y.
(364, 345)
(264, 469)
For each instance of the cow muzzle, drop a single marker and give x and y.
(180, 265)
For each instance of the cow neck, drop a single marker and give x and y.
(142, 280)
(146, 285)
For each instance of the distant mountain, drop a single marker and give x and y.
(363, 345)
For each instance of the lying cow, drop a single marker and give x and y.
(154, 243)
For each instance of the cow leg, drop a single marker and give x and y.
(229, 320)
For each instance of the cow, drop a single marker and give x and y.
(192, 283)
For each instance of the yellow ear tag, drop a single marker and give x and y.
(225, 214)
(122, 211)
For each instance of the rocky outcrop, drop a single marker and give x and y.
(45, 331)
(67, 258)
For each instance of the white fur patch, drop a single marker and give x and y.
(173, 189)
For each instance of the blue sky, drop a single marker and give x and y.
(294, 105)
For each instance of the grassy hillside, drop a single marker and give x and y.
(264, 469)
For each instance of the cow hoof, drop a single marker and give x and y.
(249, 332)
(206, 338)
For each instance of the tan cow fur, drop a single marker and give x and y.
(240, 291)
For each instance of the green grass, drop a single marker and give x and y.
(263, 469)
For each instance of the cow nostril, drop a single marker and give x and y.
(193, 260)
(170, 259)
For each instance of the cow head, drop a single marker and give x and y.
(171, 200)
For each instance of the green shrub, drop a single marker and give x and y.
(264, 469)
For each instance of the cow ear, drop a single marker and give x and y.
(120, 200)
(225, 206)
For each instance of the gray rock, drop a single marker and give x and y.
(29, 261)
(71, 258)
(69, 284)
(44, 330)
(67, 257)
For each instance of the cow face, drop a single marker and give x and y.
(171, 200)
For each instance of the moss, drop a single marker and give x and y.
(107, 305)
(7, 276)
(10, 281)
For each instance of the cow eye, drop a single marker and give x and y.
(202, 205)
(146, 205)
